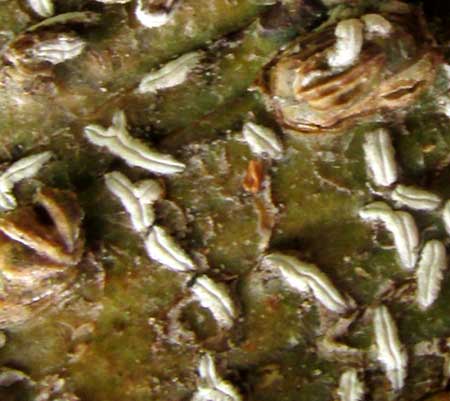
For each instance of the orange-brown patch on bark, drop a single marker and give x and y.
(254, 177)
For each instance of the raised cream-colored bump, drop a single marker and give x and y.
(349, 41)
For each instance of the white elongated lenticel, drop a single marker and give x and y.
(350, 387)
(137, 199)
(349, 41)
(262, 140)
(391, 353)
(406, 238)
(379, 155)
(212, 386)
(152, 19)
(120, 143)
(7, 199)
(58, 50)
(401, 225)
(25, 168)
(446, 216)
(304, 277)
(160, 246)
(432, 263)
(443, 103)
(375, 24)
(215, 297)
(172, 74)
(43, 8)
(18, 171)
(416, 198)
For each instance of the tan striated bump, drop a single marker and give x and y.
(59, 241)
(65, 212)
(59, 49)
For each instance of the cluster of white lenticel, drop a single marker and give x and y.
(138, 200)
(65, 46)
(380, 159)
(307, 278)
(430, 259)
(46, 8)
